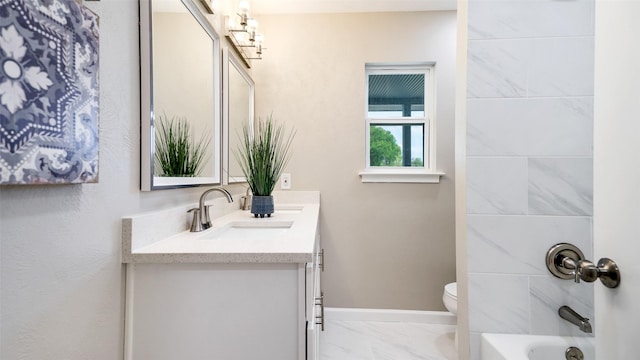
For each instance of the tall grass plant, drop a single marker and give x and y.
(263, 154)
(177, 154)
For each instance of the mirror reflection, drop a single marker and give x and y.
(239, 109)
(182, 89)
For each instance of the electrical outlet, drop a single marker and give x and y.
(285, 181)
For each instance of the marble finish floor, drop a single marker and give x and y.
(375, 340)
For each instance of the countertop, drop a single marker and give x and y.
(294, 243)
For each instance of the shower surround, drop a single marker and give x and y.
(529, 161)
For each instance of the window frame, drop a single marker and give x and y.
(427, 172)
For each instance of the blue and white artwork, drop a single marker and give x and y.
(49, 96)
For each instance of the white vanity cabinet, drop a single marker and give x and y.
(223, 311)
(197, 305)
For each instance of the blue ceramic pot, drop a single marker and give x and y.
(262, 205)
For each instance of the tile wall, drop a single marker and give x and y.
(529, 161)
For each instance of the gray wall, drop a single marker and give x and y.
(388, 245)
(60, 271)
(529, 161)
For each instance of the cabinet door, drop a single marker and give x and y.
(315, 316)
(214, 311)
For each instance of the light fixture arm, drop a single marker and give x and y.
(245, 40)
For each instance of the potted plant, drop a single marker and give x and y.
(176, 151)
(262, 155)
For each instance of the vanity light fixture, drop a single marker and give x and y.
(244, 37)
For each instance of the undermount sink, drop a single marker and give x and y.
(248, 230)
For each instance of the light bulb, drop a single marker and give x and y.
(243, 7)
(258, 39)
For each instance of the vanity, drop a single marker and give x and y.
(246, 288)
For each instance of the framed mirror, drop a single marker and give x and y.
(238, 110)
(180, 82)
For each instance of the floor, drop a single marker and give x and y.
(374, 340)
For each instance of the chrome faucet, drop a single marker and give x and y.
(201, 220)
(573, 317)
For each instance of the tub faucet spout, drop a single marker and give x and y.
(573, 317)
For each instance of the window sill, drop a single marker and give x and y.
(400, 176)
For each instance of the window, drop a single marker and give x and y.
(399, 123)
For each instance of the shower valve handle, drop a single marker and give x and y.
(566, 261)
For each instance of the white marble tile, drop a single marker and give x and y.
(561, 186)
(497, 68)
(526, 18)
(561, 67)
(497, 185)
(530, 127)
(548, 294)
(498, 303)
(517, 244)
(372, 340)
(344, 340)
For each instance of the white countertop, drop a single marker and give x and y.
(294, 244)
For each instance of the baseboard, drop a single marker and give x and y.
(387, 315)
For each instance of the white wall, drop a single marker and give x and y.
(60, 271)
(529, 161)
(387, 245)
(62, 280)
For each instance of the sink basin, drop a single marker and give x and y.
(248, 230)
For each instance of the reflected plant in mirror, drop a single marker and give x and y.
(177, 153)
(179, 76)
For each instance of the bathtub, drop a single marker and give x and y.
(533, 347)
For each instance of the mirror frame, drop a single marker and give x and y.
(229, 59)
(148, 181)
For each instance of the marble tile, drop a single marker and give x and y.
(561, 186)
(344, 340)
(561, 67)
(496, 185)
(548, 294)
(517, 244)
(526, 18)
(530, 127)
(372, 340)
(497, 68)
(498, 303)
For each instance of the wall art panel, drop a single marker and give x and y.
(49, 94)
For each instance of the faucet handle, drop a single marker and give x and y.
(196, 225)
(586, 271)
(566, 261)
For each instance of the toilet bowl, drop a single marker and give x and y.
(450, 300)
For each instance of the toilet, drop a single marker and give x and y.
(450, 300)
